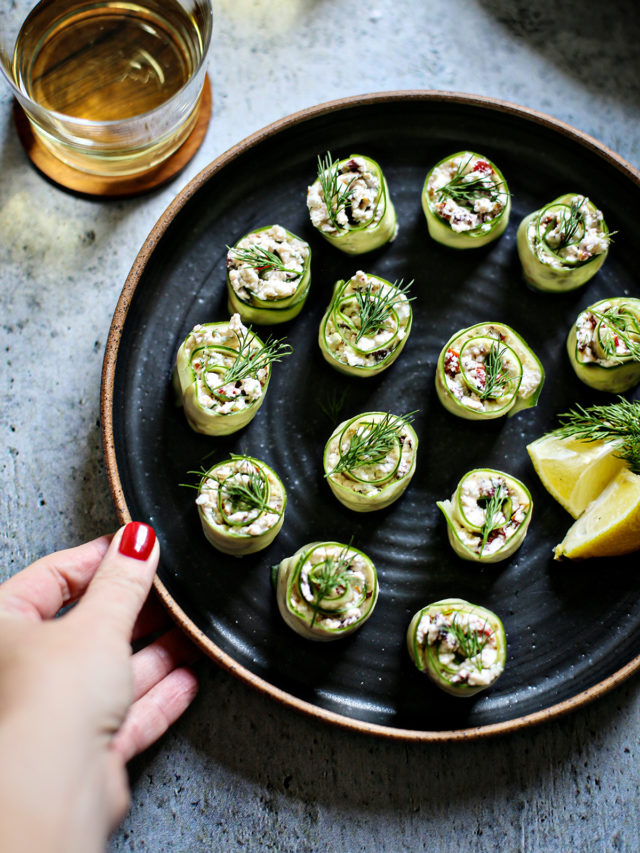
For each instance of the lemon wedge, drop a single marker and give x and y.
(574, 472)
(610, 526)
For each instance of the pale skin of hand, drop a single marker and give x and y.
(75, 703)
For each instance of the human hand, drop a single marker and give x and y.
(75, 704)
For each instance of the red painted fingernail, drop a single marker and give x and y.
(137, 540)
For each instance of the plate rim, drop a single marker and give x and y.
(214, 652)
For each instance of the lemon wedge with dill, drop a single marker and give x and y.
(575, 472)
(610, 526)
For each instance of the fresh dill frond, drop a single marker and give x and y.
(371, 442)
(332, 405)
(470, 641)
(249, 360)
(376, 305)
(618, 326)
(492, 509)
(261, 260)
(329, 577)
(465, 190)
(246, 491)
(496, 376)
(619, 422)
(573, 225)
(336, 193)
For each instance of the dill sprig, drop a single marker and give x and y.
(336, 194)
(496, 375)
(371, 442)
(618, 422)
(332, 406)
(571, 223)
(465, 190)
(375, 306)
(492, 510)
(618, 326)
(249, 361)
(470, 641)
(331, 576)
(261, 260)
(246, 490)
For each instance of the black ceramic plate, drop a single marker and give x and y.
(573, 629)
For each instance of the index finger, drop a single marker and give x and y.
(123, 580)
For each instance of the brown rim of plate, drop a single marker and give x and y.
(106, 401)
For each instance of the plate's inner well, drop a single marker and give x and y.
(568, 625)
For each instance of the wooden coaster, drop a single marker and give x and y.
(118, 185)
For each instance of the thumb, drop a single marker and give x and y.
(123, 580)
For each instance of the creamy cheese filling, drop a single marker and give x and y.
(211, 366)
(341, 332)
(474, 661)
(553, 224)
(304, 595)
(466, 378)
(598, 340)
(365, 203)
(473, 497)
(376, 476)
(259, 280)
(467, 192)
(231, 517)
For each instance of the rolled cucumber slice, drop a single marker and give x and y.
(268, 275)
(350, 206)
(326, 590)
(369, 460)
(487, 371)
(487, 516)
(366, 325)
(222, 373)
(241, 503)
(604, 344)
(462, 647)
(564, 244)
(466, 201)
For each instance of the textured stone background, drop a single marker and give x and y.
(239, 772)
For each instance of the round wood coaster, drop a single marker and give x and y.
(118, 185)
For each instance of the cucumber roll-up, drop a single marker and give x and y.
(366, 325)
(462, 647)
(326, 590)
(222, 373)
(370, 460)
(487, 371)
(241, 504)
(564, 244)
(268, 275)
(466, 201)
(604, 344)
(487, 516)
(349, 204)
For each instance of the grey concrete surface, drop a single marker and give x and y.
(239, 773)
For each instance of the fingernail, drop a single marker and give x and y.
(137, 540)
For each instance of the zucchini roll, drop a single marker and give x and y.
(326, 590)
(462, 647)
(604, 344)
(349, 204)
(487, 371)
(241, 504)
(222, 373)
(466, 201)
(487, 516)
(366, 325)
(564, 244)
(268, 276)
(370, 459)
